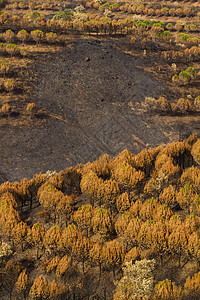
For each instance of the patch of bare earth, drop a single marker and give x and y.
(90, 90)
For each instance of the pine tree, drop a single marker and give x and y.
(83, 217)
(63, 265)
(9, 36)
(39, 289)
(167, 290)
(123, 203)
(52, 239)
(22, 284)
(113, 255)
(37, 36)
(23, 35)
(21, 233)
(102, 223)
(192, 287)
(96, 256)
(51, 37)
(56, 291)
(38, 234)
(122, 223)
(194, 247)
(52, 265)
(186, 196)
(12, 271)
(81, 250)
(178, 242)
(68, 239)
(168, 196)
(132, 231)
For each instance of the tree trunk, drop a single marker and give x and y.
(104, 294)
(161, 260)
(198, 265)
(114, 272)
(99, 270)
(10, 295)
(54, 220)
(31, 203)
(179, 260)
(83, 266)
(74, 294)
(37, 253)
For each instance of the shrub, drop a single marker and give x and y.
(168, 196)
(192, 287)
(4, 69)
(23, 35)
(31, 109)
(65, 15)
(184, 78)
(193, 41)
(169, 26)
(150, 102)
(15, 5)
(6, 108)
(167, 290)
(44, 6)
(184, 105)
(137, 280)
(1, 47)
(51, 37)
(11, 49)
(9, 36)
(196, 151)
(5, 250)
(10, 85)
(23, 52)
(37, 35)
(22, 5)
(178, 26)
(31, 6)
(191, 72)
(197, 102)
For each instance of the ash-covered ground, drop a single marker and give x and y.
(90, 90)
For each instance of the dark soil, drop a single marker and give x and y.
(90, 91)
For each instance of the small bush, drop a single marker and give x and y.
(10, 85)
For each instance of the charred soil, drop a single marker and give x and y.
(89, 91)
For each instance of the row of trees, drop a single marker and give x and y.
(69, 21)
(23, 36)
(143, 9)
(163, 106)
(12, 49)
(30, 5)
(186, 55)
(6, 110)
(103, 181)
(165, 11)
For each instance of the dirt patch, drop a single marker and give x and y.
(89, 90)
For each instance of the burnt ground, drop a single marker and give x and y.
(90, 91)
